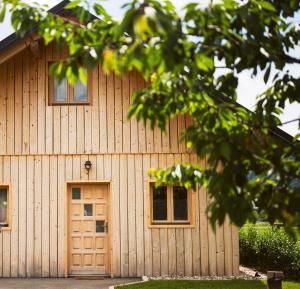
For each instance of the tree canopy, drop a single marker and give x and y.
(191, 62)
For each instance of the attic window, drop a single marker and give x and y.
(64, 93)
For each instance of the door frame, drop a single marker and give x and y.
(109, 219)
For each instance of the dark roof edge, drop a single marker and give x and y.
(13, 39)
(276, 131)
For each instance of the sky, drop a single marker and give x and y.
(248, 87)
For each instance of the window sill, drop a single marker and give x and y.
(69, 103)
(2, 229)
(170, 225)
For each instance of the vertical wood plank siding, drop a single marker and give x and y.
(42, 147)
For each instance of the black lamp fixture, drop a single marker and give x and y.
(88, 166)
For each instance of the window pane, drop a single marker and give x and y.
(61, 91)
(3, 206)
(180, 204)
(80, 92)
(100, 227)
(88, 210)
(76, 194)
(160, 204)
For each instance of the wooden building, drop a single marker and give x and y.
(75, 196)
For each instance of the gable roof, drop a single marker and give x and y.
(59, 9)
(14, 39)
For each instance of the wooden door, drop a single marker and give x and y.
(88, 230)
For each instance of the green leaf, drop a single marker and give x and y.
(2, 14)
(225, 150)
(267, 6)
(73, 4)
(204, 62)
(83, 75)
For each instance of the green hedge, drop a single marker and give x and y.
(267, 248)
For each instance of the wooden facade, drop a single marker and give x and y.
(43, 148)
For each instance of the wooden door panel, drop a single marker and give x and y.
(76, 210)
(75, 226)
(76, 258)
(76, 241)
(100, 241)
(88, 260)
(100, 210)
(88, 247)
(88, 242)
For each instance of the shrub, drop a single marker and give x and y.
(268, 248)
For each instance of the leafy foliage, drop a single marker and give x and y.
(269, 249)
(181, 58)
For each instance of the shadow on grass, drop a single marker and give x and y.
(193, 284)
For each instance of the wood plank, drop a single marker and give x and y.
(18, 103)
(235, 250)
(180, 251)
(188, 244)
(87, 129)
(126, 122)
(6, 234)
(147, 231)
(64, 129)
(72, 129)
(110, 113)
(45, 216)
(48, 109)
(102, 112)
(156, 252)
(41, 91)
(220, 250)
(26, 98)
(14, 216)
(53, 216)
(212, 249)
(174, 134)
(3, 97)
(22, 216)
(33, 105)
(181, 128)
(10, 125)
(134, 146)
(172, 235)
(139, 215)
(60, 215)
(131, 217)
(141, 124)
(93, 172)
(100, 167)
(116, 215)
(30, 217)
(124, 216)
(56, 130)
(95, 112)
(76, 167)
(80, 129)
(164, 252)
(196, 231)
(166, 138)
(203, 230)
(156, 268)
(37, 216)
(228, 247)
(118, 115)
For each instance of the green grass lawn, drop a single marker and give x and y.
(193, 284)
